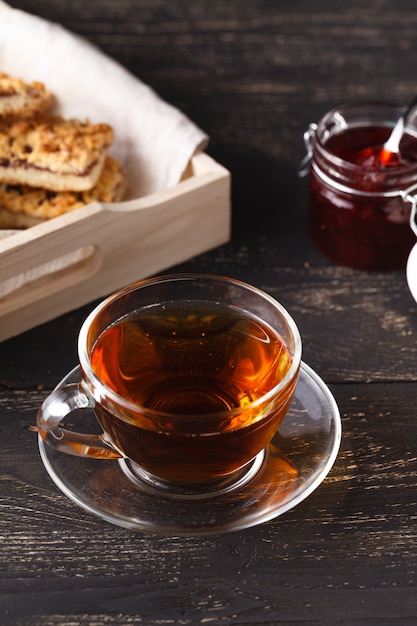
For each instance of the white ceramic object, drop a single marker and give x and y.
(412, 272)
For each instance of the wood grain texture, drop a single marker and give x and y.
(92, 244)
(356, 326)
(252, 74)
(351, 544)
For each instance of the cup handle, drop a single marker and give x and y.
(60, 403)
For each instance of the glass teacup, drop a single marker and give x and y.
(190, 377)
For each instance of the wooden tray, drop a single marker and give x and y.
(87, 254)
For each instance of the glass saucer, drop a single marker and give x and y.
(291, 468)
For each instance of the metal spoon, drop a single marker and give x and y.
(392, 145)
(389, 153)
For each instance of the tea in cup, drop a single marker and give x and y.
(189, 375)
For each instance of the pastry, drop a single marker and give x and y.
(17, 96)
(22, 206)
(52, 152)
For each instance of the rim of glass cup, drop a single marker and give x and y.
(104, 390)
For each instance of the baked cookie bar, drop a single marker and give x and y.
(22, 206)
(17, 96)
(52, 152)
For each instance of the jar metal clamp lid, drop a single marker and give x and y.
(308, 136)
(408, 196)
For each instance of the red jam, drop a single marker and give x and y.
(358, 216)
(365, 147)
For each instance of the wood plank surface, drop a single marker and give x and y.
(356, 326)
(347, 552)
(253, 74)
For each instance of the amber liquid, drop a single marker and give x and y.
(193, 373)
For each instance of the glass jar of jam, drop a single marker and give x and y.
(359, 211)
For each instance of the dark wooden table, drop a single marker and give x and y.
(252, 74)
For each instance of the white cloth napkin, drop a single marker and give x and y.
(153, 140)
